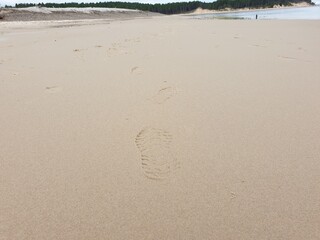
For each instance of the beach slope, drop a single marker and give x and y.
(160, 128)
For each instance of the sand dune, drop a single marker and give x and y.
(55, 14)
(88, 10)
(160, 128)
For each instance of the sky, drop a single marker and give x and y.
(13, 2)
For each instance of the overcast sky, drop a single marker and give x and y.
(12, 2)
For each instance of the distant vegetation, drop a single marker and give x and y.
(173, 8)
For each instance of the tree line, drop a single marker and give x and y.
(171, 8)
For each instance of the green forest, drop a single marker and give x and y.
(172, 8)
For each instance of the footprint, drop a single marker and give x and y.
(136, 70)
(164, 94)
(232, 195)
(293, 59)
(258, 45)
(286, 57)
(157, 159)
(112, 51)
(135, 40)
(117, 49)
(53, 89)
(80, 49)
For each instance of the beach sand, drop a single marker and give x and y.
(160, 128)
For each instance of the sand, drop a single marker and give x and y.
(160, 128)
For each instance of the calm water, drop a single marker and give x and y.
(289, 13)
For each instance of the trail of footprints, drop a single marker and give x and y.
(157, 159)
(116, 48)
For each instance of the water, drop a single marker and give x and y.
(284, 13)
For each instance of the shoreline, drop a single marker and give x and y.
(207, 11)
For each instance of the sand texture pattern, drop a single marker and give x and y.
(160, 128)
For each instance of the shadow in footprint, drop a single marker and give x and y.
(53, 89)
(258, 45)
(136, 70)
(288, 58)
(164, 94)
(293, 59)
